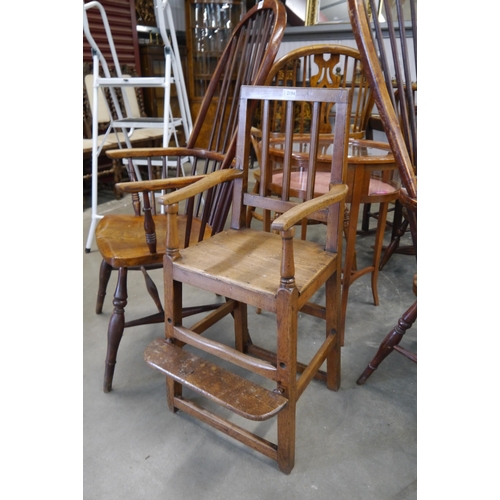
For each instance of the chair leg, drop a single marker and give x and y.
(115, 328)
(152, 289)
(287, 315)
(333, 323)
(345, 229)
(365, 224)
(349, 266)
(104, 275)
(398, 230)
(377, 251)
(390, 342)
(173, 317)
(242, 336)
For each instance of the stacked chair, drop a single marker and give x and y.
(390, 66)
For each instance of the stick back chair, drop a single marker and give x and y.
(398, 60)
(269, 270)
(388, 63)
(126, 242)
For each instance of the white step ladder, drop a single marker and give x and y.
(129, 123)
(165, 23)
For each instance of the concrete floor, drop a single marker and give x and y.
(359, 443)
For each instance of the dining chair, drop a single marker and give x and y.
(407, 11)
(273, 271)
(369, 173)
(318, 65)
(390, 65)
(121, 239)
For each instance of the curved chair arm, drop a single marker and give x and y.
(206, 182)
(145, 152)
(287, 220)
(157, 184)
(171, 202)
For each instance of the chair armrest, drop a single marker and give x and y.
(171, 201)
(291, 217)
(206, 182)
(145, 152)
(256, 132)
(157, 184)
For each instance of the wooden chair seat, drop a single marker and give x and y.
(248, 262)
(117, 241)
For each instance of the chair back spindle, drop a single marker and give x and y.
(390, 64)
(246, 60)
(297, 183)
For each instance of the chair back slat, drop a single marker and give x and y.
(288, 147)
(246, 60)
(289, 161)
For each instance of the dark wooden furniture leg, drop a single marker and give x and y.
(104, 275)
(399, 227)
(115, 328)
(391, 342)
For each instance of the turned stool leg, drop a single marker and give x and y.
(115, 328)
(398, 230)
(377, 251)
(104, 275)
(390, 342)
(152, 290)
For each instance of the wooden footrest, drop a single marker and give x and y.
(235, 393)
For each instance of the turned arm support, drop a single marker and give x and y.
(171, 202)
(287, 220)
(285, 225)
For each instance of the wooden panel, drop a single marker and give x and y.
(122, 21)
